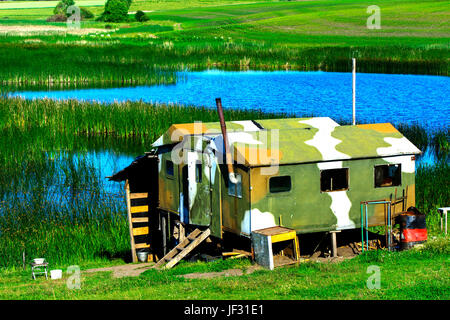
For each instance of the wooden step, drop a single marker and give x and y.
(138, 195)
(139, 220)
(142, 245)
(139, 209)
(182, 249)
(194, 234)
(140, 231)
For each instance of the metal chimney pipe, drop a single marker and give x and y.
(228, 159)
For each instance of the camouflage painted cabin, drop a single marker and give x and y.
(307, 174)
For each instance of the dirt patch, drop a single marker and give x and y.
(226, 273)
(128, 270)
(27, 30)
(134, 270)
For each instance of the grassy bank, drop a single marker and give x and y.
(411, 274)
(56, 202)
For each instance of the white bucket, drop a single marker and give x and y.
(55, 274)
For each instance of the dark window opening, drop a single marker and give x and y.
(280, 184)
(198, 172)
(389, 175)
(169, 168)
(334, 180)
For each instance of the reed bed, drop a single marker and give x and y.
(137, 120)
(55, 203)
(156, 61)
(432, 192)
(28, 65)
(62, 211)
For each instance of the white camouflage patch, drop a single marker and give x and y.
(257, 220)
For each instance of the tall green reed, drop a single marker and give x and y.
(157, 60)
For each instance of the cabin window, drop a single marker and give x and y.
(280, 184)
(198, 172)
(235, 189)
(334, 180)
(169, 168)
(388, 175)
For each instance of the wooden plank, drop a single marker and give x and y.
(283, 236)
(273, 230)
(226, 254)
(139, 209)
(297, 249)
(194, 234)
(139, 220)
(181, 232)
(130, 223)
(138, 195)
(140, 231)
(240, 255)
(142, 245)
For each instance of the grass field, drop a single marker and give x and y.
(417, 274)
(344, 22)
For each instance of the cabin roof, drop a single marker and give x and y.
(294, 140)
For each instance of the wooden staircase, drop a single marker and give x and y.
(138, 221)
(182, 249)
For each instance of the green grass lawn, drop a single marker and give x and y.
(414, 274)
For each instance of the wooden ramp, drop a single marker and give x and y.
(182, 249)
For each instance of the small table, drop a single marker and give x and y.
(443, 212)
(39, 268)
(263, 239)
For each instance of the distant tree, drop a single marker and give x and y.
(61, 7)
(141, 16)
(61, 11)
(116, 11)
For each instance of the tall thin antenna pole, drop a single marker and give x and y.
(354, 89)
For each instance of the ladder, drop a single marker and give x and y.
(182, 249)
(138, 221)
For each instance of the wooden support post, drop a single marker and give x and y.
(130, 222)
(443, 213)
(182, 232)
(164, 234)
(334, 243)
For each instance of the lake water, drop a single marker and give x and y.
(379, 97)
